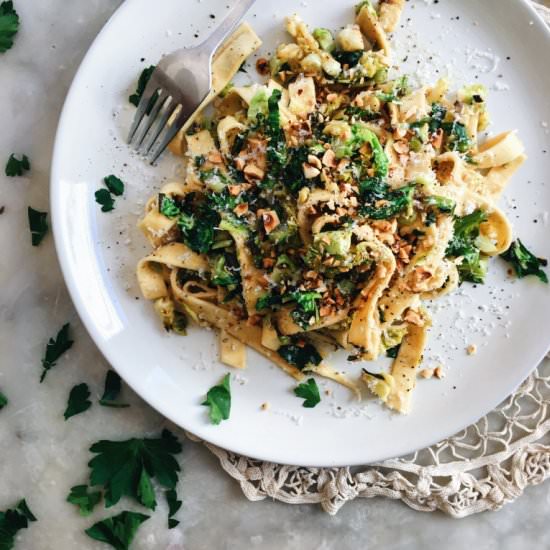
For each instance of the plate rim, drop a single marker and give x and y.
(102, 345)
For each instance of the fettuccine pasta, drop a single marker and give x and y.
(323, 208)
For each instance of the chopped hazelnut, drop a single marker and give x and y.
(438, 373)
(426, 373)
(329, 159)
(471, 349)
(314, 161)
(241, 209)
(253, 172)
(234, 190)
(310, 171)
(264, 406)
(270, 220)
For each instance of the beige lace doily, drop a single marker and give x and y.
(482, 468)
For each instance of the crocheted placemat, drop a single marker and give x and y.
(487, 465)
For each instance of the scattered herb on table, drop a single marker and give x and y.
(125, 468)
(9, 25)
(38, 225)
(111, 392)
(525, 262)
(11, 522)
(218, 399)
(3, 400)
(16, 167)
(310, 392)
(55, 349)
(173, 506)
(78, 401)
(86, 501)
(117, 531)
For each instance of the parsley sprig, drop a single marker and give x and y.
(126, 468)
(12, 521)
(118, 531)
(16, 167)
(38, 225)
(3, 400)
(55, 349)
(9, 25)
(78, 401)
(85, 500)
(218, 399)
(113, 385)
(309, 391)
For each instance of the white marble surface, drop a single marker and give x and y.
(41, 456)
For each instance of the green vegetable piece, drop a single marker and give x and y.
(9, 25)
(113, 386)
(524, 262)
(393, 352)
(86, 501)
(300, 355)
(310, 392)
(78, 401)
(443, 204)
(11, 522)
(114, 184)
(365, 4)
(457, 136)
(473, 267)
(173, 506)
(38, 225)
(117, 531)
(55, 349)
(361, 135)
(324, 38)
(336, 243)
(125, 468)
(221, 275)
(105, 199)
(218, 399)
(258, 105)
(15, 167)
(277, 153)
(3, 400)
(374, 190)
(306, 306)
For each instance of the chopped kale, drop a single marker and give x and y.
(306, 307)
(393, 352)
(380, 202)
(457, 136)
(300, 355)
(525, 262)
(348, 58)
(473, 267)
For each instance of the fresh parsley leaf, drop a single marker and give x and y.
(3, 400)
(173, 506)
(86, 501)
(473, 267)
(12, 521)
(9, 25)
(38, 225)
(55, 349)
(300, 355)
(114, 184)
(144, 78)
(112, 390)
(310, 392)
(381, 202)
(105, 199)
(125, 468)
(525, 262)
(15, 167)
(117, 531)
(78, 401)
(218, 399)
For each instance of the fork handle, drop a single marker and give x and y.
(234, 17)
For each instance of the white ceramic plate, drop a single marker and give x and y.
(508, 320)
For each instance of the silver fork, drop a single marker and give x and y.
(181, 81)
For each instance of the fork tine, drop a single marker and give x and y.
(170, 134)
(150, 90)
(162, 121)
(152, 117)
